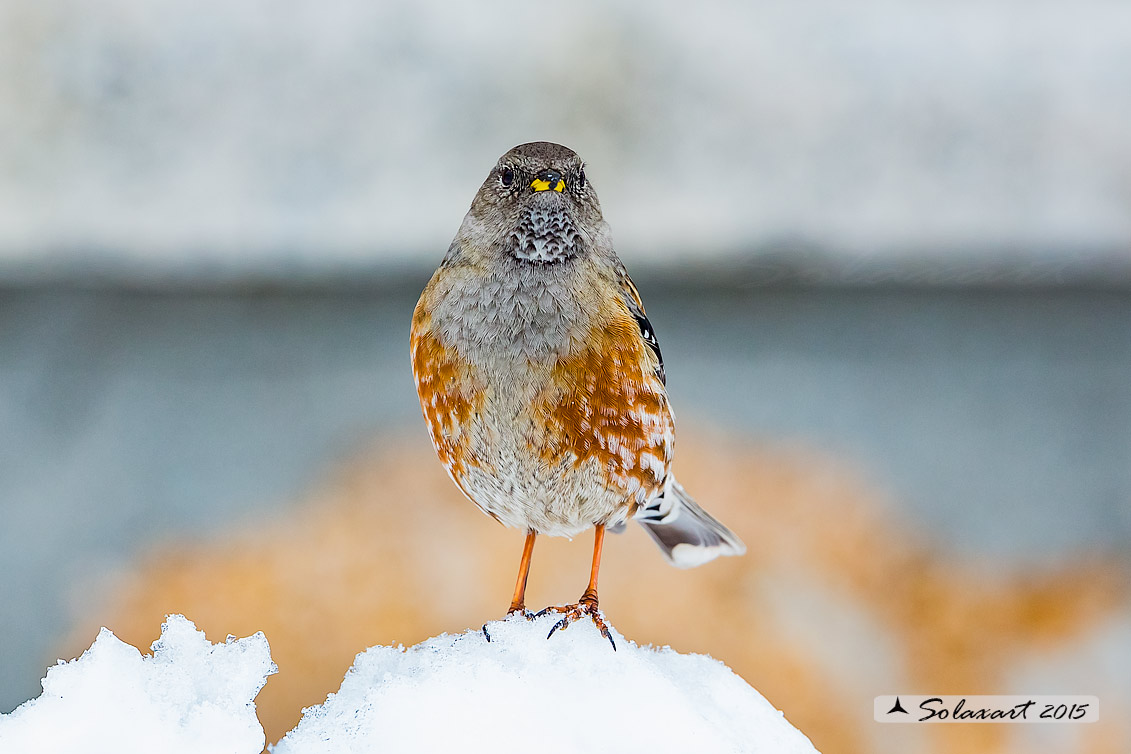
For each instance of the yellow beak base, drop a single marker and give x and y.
(539, 185)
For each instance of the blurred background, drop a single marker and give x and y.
(886, 247)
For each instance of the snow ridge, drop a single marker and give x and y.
(463, 693)
(189, 696)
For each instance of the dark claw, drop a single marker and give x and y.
(575, 614)
(560, 624)
(486, 633)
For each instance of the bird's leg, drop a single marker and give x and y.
(587, 605)
(518, 602)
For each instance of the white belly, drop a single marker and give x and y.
(511, 479)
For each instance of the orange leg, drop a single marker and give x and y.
(587, 605)
(590, 596)
(518, 602)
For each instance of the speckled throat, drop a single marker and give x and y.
(545, 234)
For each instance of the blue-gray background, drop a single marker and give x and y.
(899, 233)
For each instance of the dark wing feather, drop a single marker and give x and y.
(636, 308)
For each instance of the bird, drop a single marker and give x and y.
(541, 379)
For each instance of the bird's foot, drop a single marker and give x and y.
(586, 606)
(515, 610)
(520, 610)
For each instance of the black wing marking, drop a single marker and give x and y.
(649, 336)
(636, 308)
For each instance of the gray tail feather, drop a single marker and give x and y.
(687, 535)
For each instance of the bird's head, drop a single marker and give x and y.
(537, 205)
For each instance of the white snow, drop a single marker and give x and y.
(451, 693)
(188, 696)
(521, 691)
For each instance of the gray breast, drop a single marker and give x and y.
(520, 310)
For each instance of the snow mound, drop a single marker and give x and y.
(463, 693)
(188, 696)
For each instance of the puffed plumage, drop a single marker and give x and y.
(539, 374)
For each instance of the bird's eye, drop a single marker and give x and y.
(581, 179)
(506, 177)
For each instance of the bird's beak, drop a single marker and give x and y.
(548, 179)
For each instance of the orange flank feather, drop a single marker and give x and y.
(612, 409)
(443, 382)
